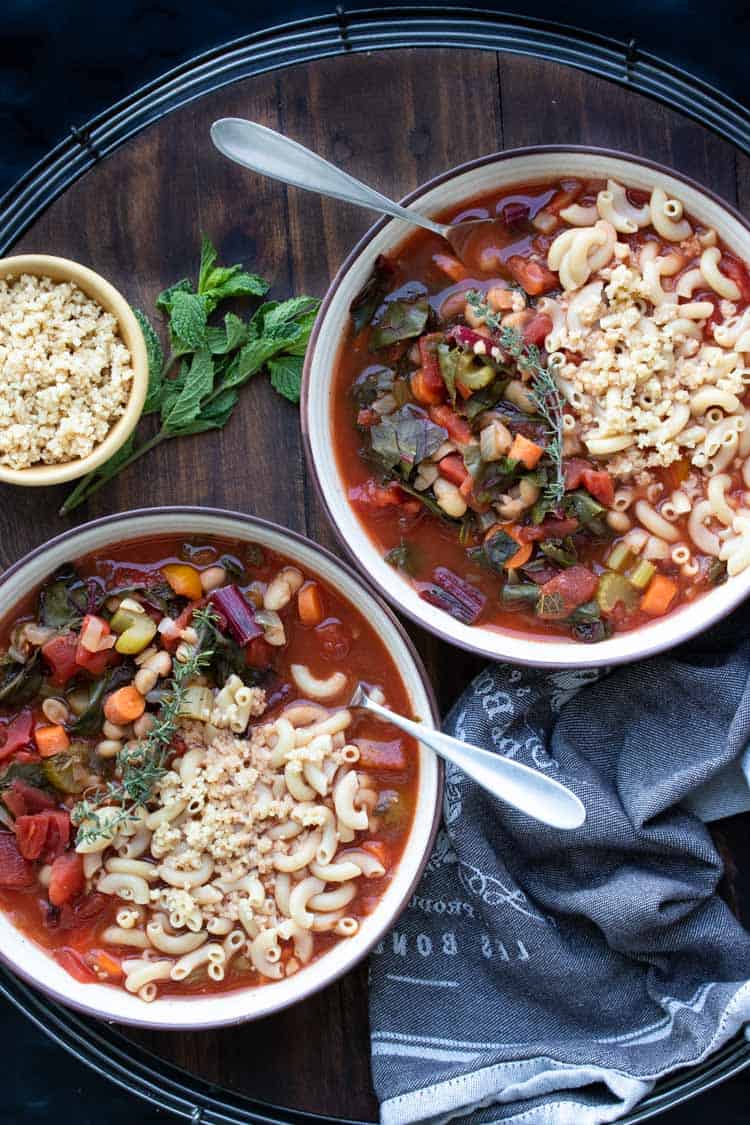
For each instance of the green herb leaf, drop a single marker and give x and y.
(187, 320)
(155, 362)
(286, 376)
(208, 261)
(406, 437)
(165, 298)
(222, 341)
(401, 558)
(232, 281)
(198, 383)
(214, 415)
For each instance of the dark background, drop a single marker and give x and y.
(62, 61)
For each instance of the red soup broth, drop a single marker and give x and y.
(342, 640)
(511, 253)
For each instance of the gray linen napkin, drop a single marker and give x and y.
(546, 977)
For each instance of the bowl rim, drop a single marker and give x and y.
(585, 655)
(101, 290)
(314, 985)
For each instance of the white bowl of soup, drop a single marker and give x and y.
(196, 830)
(539, 450)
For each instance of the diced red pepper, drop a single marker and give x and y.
(531, 275)
(17, 734)
(458, 428)
(66, 879)
(22, 799)
(571, 587)
(537, 330)
(60, 654)
(367, 418)
(43, 835)
(15, 871)
(549, 529)
(430, 362)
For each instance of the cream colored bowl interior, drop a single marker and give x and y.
(496, 174)
(31, 961)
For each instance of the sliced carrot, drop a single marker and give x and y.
(185, 580)
(103, 962)
(424, 391)
(124, 706)
(310, 604)
(525, 451)
(450, 266)
(659, 596)
(51, 740)
(676, 473)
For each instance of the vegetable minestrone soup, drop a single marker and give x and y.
(552, 435)
(187, 804)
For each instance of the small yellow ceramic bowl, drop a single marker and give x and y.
(62, 269)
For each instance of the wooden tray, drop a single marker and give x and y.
(395, 118)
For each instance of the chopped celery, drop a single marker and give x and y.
(642, 574)
(474, 375)
(67, 772)
(614, 589)
(620, 557)
(137, 636)
(197, 703)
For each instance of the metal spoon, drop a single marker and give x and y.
(528, 790)
(263, 150)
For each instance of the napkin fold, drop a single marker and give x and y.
(540, 976)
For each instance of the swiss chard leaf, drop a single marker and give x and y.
(30, 772)
(370, 297)
(372, 383)
(19, 683)
(406, 437)
(402, 558)
(448, 361)
(400, 320)
(499, 548)
(89, 723)
(63, 601)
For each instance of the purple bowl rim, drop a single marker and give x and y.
(298, 537)
(476, 648)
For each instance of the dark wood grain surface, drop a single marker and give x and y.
(393, 118)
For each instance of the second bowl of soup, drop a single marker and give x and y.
(539, 449)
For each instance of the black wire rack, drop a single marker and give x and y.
(101, 1046)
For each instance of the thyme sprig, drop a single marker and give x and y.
(542, 390)
(141, 767)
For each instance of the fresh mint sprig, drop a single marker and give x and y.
(194, 388)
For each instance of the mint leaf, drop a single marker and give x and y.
(188, 320)
(305, 323)
(286, 376)
(155, 362)
(221, 341)
(208, 260)
(214, 415)
(193, 385)
(164, 300)
(233, 282)
(256, 355)
(287, 312)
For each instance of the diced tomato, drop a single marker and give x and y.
(22, 799)
(17, 734)
(66, 879)
(676, 473)
(599, 483)
(367, 418)
(574, 470)
(74, 963)
(549, 529)
(95, 663)
(379, 849)
(430, 362)
(43, 835)
(81, 915)
(60, 654)
(15, 871)
(335, 639)
(170, 641)
(452, 468)
(259, 654)
(738, 273)
(374, 495)
(573, 587)
(537, 330)
(532, 276)
(458, 428)
(381, 755)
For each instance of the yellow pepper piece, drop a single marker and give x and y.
(185, 580)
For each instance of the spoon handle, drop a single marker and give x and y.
(272, 154)
(526, 789)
